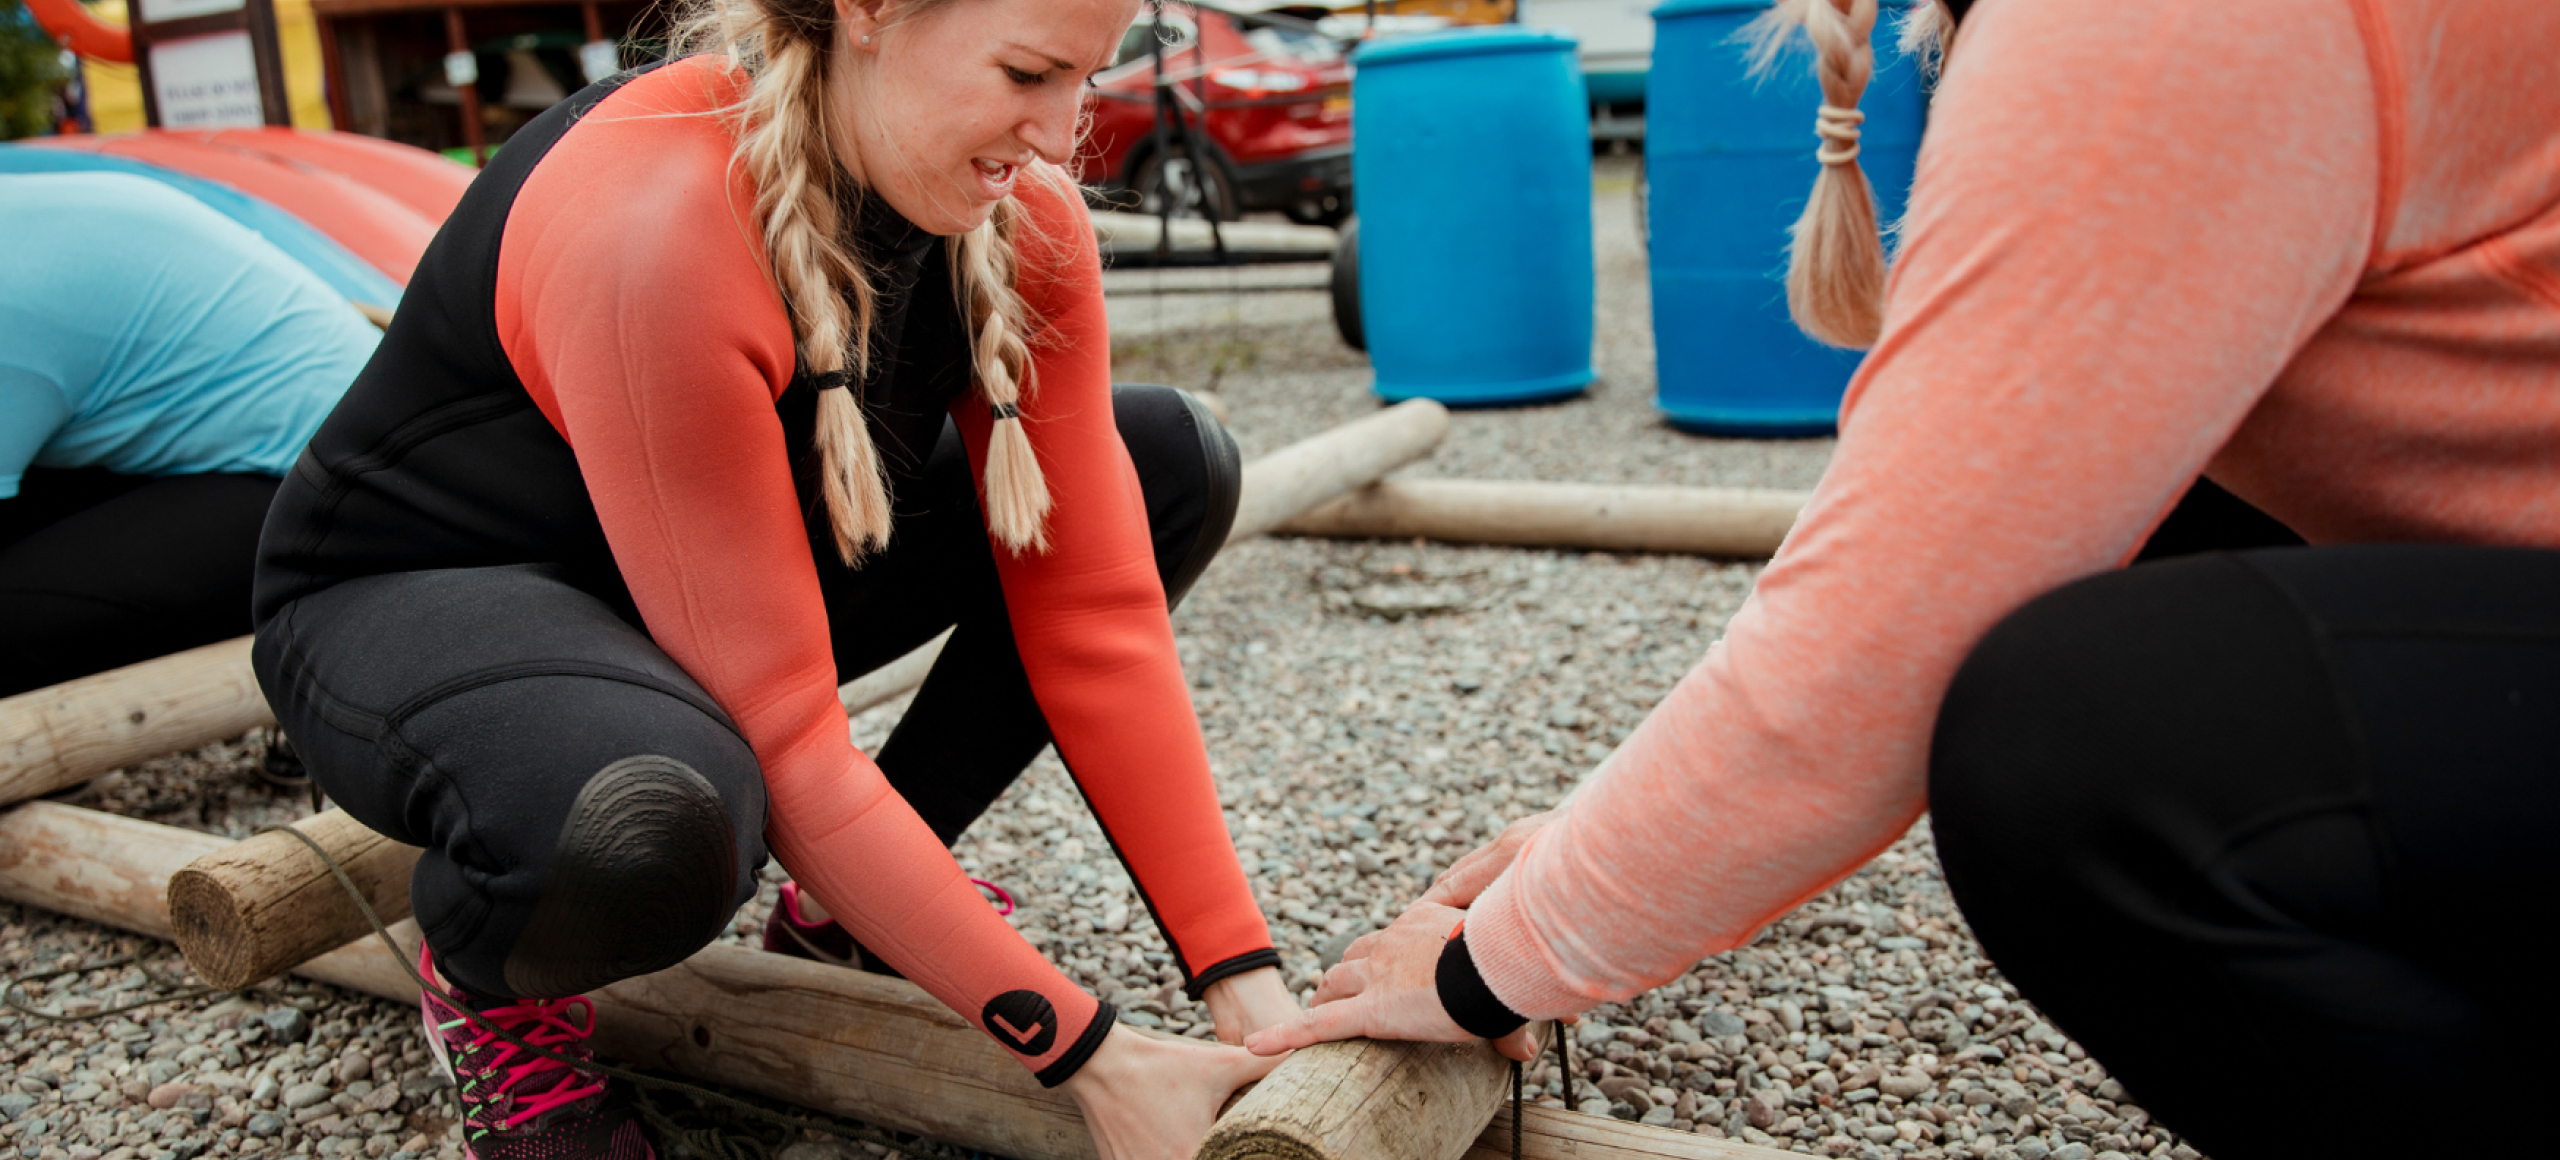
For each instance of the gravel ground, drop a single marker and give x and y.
(1373, 711)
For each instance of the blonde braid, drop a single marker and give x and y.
(1836, 265)
(785, 144)
(1928, 34)
(986, 270)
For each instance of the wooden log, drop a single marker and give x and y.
(260, 906)
(269, 904)
(1704, 521)
(1302, 475)
(1362, 1098)
(66, 734)
(852, 1044)
(1556, 1134)
(115, 871)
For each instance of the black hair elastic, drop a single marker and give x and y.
(1004, 411)
(832, 380)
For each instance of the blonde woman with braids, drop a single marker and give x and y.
(729, 380)
(2262, 299)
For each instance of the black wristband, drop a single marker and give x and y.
(1248, 961)
(1465, 997)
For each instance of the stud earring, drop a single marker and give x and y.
(866, 38)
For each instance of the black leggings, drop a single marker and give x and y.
(99, 570)
(2265, 831)
(588, 813)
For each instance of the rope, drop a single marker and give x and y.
(9, 991)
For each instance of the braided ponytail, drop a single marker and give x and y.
(786, 141)
(1836, 266)
(985, 268)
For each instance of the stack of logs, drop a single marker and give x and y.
(859, 1045)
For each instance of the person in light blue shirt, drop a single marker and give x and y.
(161, 367)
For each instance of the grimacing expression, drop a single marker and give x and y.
(949, 101)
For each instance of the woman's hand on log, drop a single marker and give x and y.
(1459, 885)
(1146, 1098)
(1387, 987)
(1240, 1005)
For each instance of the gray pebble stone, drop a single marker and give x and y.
(265, 1125)
(1594, 1107)
(1718, 1024)
(2033, 1148)
(265, 1091)
(1659, 1117)
(15, 1104)
(287, 1024)
(303, 1095)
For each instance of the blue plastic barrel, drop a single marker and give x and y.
(1729, 164)
(1472, 158)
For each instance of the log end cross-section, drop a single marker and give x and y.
(259, 908)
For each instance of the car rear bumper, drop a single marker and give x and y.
(1312, 176)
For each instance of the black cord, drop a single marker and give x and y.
(1516, 1109)
(9, 992)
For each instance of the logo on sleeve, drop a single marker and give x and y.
(1023, 1021)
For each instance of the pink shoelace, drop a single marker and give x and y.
(543, 1023)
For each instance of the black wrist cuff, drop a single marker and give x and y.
(1248, 961)
(1082, 1049)
(1465, 997)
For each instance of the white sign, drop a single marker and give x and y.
(155, 11)
(207, 82)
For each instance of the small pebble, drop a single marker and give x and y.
(287, 1025)
(265, 1125)
(303, 1095)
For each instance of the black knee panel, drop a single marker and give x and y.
(1191, 473)
(645, 874)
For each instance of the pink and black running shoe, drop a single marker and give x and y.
(521, 1106)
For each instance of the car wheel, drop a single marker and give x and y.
(1197, 190)
(1346, 288)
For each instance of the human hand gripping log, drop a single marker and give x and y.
(1387, 985)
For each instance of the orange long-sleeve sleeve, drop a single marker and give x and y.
(2309, 247)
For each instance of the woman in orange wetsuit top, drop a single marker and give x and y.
(730, 379)
(2250, 819)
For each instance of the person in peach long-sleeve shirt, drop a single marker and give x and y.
(2304, 253)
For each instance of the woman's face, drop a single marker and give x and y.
(948, 101)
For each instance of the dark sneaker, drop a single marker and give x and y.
(787, 933)
(518, 1106)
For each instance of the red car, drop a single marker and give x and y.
(1271, 95)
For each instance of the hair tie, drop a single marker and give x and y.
(1838, 129)
(1004, 411)
(832, 380)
